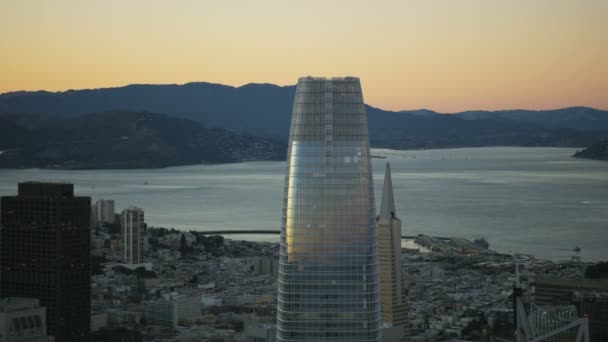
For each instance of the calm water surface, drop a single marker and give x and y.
(528, 200)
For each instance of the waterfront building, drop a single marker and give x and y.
(393, 290)
(328, 268)
(104, 211)
(45, 254)
(22, 320)
(132, 235)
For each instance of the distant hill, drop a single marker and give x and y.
(260, 109)
(597, 151)
(582, 118)
(119, 140)
(265, 110)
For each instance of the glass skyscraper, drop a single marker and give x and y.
(328, 271)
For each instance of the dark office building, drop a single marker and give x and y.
(45, 253)
(116, 335)
(596, 311)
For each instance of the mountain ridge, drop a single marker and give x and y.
(264, 109)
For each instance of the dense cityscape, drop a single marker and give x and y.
(73, 270)
(303, 171)
(189, 286)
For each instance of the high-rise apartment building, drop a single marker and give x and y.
(328, 270)
(132, 235)
(104, 211)
(45, 254)
(393, 291)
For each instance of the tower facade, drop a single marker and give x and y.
(104, 211)
(132, 235)
(328, 271)
(393, 291)
(46, 254)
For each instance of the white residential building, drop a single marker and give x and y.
(173, 309)
(132, 235)
(104, 211)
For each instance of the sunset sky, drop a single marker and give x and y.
(448, 55)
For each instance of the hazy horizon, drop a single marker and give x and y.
(445, 56)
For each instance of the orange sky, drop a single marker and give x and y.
(448, 55)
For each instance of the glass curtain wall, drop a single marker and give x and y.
(328, 281)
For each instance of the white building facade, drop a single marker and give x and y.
(104, 211)
(132, 235)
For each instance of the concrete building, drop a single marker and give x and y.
(132, 235)
(560, 291)
(393, 291)
(22, 320)
(188, 307)
(263, 332)
(268, 265)
(104, 211)
(161, 312)
(596, 310)
(172, 310)
(328, 266)
(116, 335)
(45, 254)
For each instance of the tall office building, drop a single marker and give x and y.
(104, 211)
(393, 292)
(132, 235)
(45, 254)
(328, 270)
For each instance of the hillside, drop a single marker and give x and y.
(596, 151)
(118, 140)
(265, 110)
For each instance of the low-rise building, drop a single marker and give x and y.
(161, 312)
(260, 332)
(22, 320)
(173, 309)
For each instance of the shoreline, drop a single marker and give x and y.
(375, 153)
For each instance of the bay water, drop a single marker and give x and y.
(537, 201)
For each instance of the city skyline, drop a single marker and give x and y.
(211, 171)
(443, 56)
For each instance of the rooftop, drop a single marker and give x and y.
(13, 304)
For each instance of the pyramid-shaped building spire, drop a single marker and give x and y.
(387, 209)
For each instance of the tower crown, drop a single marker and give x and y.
(387, 208)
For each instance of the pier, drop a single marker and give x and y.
(276, 232)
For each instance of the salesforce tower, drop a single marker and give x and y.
(328, 270)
